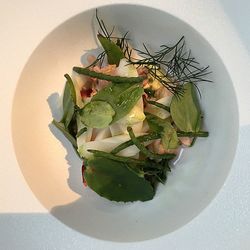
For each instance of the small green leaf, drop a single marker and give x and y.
(66, 133)
(69, 100)
(114, 181)
(185, 110)
(113, 51)
(122, 97)
(169, 137)
(97, 114)
(165, 129)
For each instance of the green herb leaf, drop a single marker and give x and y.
(66, 133)
(165, 129)
(69, 100)
(114, 181)
(169, 137)
(97, 114)
(122, 97)
(113, 51)
(185, 110)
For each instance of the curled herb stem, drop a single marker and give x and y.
(116, 157)
(159, 105)
(142, 138)
(144, 150)
(192, 134)
(116, 79)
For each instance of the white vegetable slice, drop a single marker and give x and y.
(126, 69)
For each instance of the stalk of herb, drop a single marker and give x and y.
(115, 79)
(142, 138)
(99, 153)
(159, 105)
(193, 134)
(144, 150)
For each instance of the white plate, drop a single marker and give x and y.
(23, 202)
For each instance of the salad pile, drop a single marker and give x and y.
(128, 113)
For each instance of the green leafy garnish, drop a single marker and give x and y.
(169, 137)
(113, 51)
(66, 133)
(115, 181)
(69, 100)
(122, 98)
(185, 110)
(165, 129)
(97, 114)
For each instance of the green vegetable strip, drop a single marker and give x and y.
(66, 133)
(144, 150)
(116, 79)
(116, 157)
(159, 105)
(142, 138)
(83, 130)
(192, 134)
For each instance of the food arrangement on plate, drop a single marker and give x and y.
(129, 112)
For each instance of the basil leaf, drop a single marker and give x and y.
(185, 110)
(115, 181)
(113, 51)
(122, 97)
(69, 100)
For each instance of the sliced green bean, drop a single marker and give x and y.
(116, 79)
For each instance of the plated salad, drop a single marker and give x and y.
(129, 112)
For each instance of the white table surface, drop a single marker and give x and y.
(25, 224)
